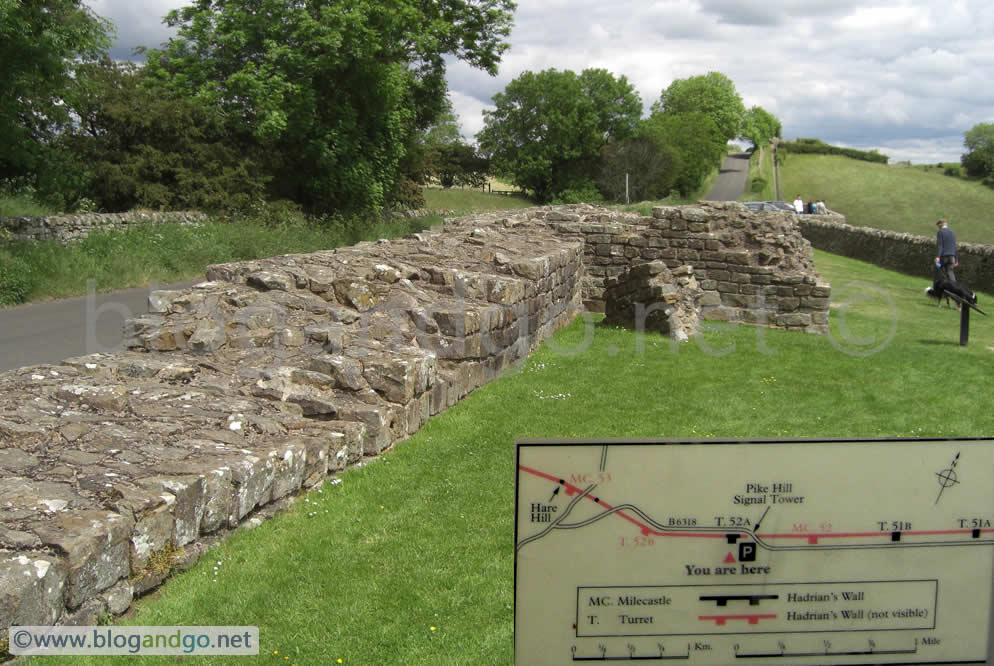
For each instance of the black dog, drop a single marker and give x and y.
(941, 287)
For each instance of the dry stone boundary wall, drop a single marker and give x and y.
(907, 253)
(272, 375)
(69, 228)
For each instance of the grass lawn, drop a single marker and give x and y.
(891, 197)
(409, 559)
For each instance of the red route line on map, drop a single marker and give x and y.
(720, 620)
(811, 538)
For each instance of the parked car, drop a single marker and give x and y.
(756, 206)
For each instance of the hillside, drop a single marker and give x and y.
(897, 198)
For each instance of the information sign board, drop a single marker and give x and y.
(799, 552)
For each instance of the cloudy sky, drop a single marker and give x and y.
(905, 77)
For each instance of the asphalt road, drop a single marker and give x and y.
(732, 178)
(53, 331)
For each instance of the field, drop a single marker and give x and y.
(464, 201)
(892, 197)
(409, 559)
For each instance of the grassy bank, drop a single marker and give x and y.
(891, 197)
(170, 253)
(409, 560)
(31, 272)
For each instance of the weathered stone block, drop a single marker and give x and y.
(97, 545)
(187, 504)
(32, 588)
(289, 465)
(153, 531)
(794, 320)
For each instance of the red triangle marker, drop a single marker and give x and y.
(729, 558)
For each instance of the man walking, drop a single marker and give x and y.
(946, 257)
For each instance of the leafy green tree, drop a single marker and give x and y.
(41, 44)
(759, 126)
(444, 131)
(138, 148)
(331, 90)
(548, 128)
(712, 94)
(979, 158)
(696, 141)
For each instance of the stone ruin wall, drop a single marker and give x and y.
(243, 390)
(754, 268)
(69, 228)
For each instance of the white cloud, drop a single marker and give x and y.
(906, 76)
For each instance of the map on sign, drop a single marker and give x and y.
(806, 552)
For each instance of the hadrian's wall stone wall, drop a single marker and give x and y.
(272, 374)
(754, 268)
(69, 228)
(245, 389)
(649, 297)
(909, 254)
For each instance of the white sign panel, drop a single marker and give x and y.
(805, 552)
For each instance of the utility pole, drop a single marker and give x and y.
(776, 180)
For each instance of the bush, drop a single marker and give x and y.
(274, 214)
(817, 146)
(15, 281)
(583, 191)
(953, 170)
(408, 195)
(758, 184)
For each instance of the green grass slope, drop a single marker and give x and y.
(895, 198)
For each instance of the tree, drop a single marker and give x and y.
(446, 158)
(712, 94)
(642, 166)
(332, 90)
(979, 158)
(695, 140)
(137, 148)
(41, 44)
(759, 126)
(547, 129)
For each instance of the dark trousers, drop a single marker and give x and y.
(947, 267)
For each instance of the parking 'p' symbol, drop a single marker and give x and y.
(747, 551)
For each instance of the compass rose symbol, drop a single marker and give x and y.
(947, 477)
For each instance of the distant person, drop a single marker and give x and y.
(799, 205)
(946, 257)
(821, 207)
(812, 207)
